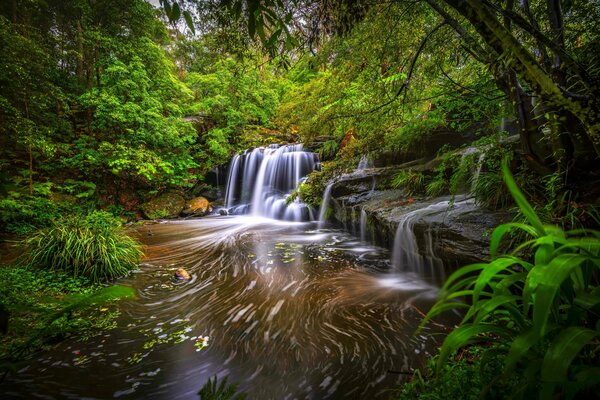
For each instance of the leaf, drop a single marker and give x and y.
(175, 13)
(189, 21)
(487, 274)
(521, 201)
(251, 26)
(563, 351)
(519, 347)
(545, 281)
(463, 336)
(484, 308)
(439, 309)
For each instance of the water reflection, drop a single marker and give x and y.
(291, 312)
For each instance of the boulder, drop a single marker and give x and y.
(198, 206)
(166, 205)
(182, 275)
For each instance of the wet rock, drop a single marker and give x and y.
(182, 275)
(223, 212)
(166, 205)
(457, 236)
(198, 206)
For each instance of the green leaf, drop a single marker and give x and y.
(521, 201)
(563, 351)
(545, 281)
(189, 21)
(175, 12)
(519, 348)
(465, 335)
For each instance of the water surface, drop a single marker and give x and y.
(291, 311)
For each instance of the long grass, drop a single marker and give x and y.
(96, 247)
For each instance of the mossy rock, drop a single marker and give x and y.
(198, 206)
(167, 205)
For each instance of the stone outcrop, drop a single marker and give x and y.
(166, 205)
(457, 234)
(197, 207)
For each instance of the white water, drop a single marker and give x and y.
(363, 225)
(364, 163)
(324, 205)
(406, 255)
(477, 171)
(260, 181)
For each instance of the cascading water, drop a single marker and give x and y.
(260, 181)
(324, 205)
(363, 225)
(406, 255)
(364, 163)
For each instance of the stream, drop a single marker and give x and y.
(279, 302)
(291, 311)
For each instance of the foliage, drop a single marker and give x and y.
(541, 314)
(212, 390)
(24, 215)
(95, 247)
(463, 378)
(46, 306)
(412, 182)
(328, 150)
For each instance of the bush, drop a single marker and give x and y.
(95, 247)
(25, 215)
(464, 378)
(412, 182)
(541, 314)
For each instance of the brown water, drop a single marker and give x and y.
(290, 311)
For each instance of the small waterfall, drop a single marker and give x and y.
(260, 181)
(363, 225)
(324, 204)
(231, 181)
(405, 254)
(364, 163)
(477, 172)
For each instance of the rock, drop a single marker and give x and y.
(167, 205)
(182, 275)
(198, 206)
(223, 212)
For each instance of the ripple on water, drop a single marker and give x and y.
(290, 311)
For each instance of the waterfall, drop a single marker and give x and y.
(405, 253)
(324, 204)
(477, 172)
(363, 225)
(260, 180)
(231, 181)
(364, 163)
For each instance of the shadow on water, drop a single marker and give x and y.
(290, 312)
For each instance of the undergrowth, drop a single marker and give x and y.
(95, 247)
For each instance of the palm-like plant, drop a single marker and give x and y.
(542, 314)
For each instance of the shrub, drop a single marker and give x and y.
(95, 247)
(25, 215)
(541, 314)
(412, 182)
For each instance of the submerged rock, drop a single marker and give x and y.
(167, 205)
(182, 275)
(198, 206)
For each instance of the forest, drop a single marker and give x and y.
(227, 199)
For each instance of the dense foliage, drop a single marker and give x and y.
(541, 312)
(94, 246)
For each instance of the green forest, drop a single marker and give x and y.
(162, 161)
